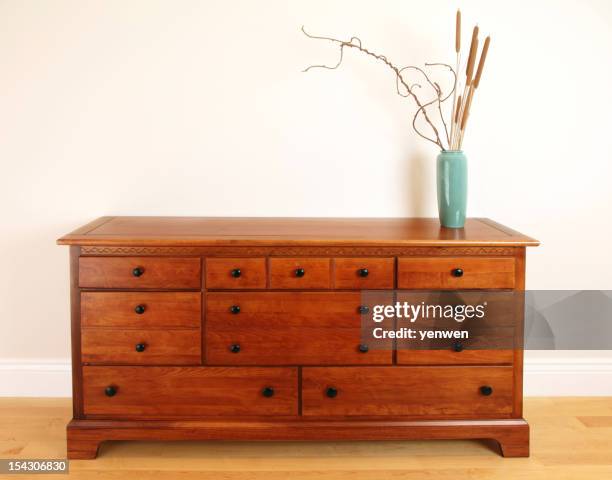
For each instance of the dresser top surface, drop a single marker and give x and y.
(205, 231)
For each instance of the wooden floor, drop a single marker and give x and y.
(571, 439)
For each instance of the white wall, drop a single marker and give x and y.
(200, 108)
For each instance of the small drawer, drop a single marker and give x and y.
(141, 347)
(141, 309)
(300, 273)
(456, 273)
(431, 392)
(364, 273)
(235, 273)
(162, 392)
(139, 272)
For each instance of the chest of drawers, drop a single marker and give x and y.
(251, 329)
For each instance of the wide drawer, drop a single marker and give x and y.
(300, 273)
(364, 273)
(436, 392)
(141, 309)
(298, 328)
(141, 347)
(158, 392)
(456, 273)
(139, 272)
(236, 273)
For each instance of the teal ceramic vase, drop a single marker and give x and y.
(452, 188)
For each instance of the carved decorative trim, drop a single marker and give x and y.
(140, 250)
(300, 251)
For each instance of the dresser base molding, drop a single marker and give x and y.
(85, 436)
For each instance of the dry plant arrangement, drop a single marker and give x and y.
(431, 99)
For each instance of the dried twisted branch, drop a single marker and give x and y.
(356, 43)
(440, 97)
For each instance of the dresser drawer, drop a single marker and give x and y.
(488, 338)
(141, 309)
(141, 347)
(411, 391)
(455, 273)
(298, 328)
(139, 272)
(157, 392)
(300, 273)
(364, 273)
(235, 273)
(450, 356)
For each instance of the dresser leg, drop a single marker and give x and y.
(515, 443)
(82, 449)
(82, 444)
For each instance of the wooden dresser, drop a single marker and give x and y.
(249, 329)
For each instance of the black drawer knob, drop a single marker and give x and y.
(458, 347)
(140, 347)
(235, 309)
(300, 272)
(235, 348)
(363, 272)
(331, 392)
(363, 348)
(267, 392)
(110, 391)
(236, 273)
(138, 271)
(457, 272)
(363, 309)
(139, 309)
(486, 390)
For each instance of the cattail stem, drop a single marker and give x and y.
(455, 103)
(472, 58)
(464, 98)
(455, 122)
(458, 51)
(458, 31)
(466, 114)
(462, 102)
(483, 57)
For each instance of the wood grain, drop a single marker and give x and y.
(112, 346)
(412, 391)
(75, 334)
(85, 436)
(297, 328)
(436, 273)
(253, 273)
(381, 273)
(317, 273)
(197, 231)
(156, 392)
(161, 309)
(159, 272)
